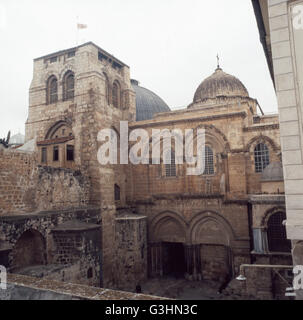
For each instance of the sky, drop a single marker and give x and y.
(170, 45)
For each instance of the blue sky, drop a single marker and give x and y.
(170, 45)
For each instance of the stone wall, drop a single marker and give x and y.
(21, 287)
(68, 239)
(286, 44)
(27, 187)
(214, 234)
(75, 242)
(262, 282)
(232, 135)
(17, 186)
(131, 242)
(286, 53)
(13, 227)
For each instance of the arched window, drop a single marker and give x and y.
(261, 157)
(52, 90)
(106, 89)
(276, 233)
(170, 169)
(209, 161)
(68, 86)
(116, 95)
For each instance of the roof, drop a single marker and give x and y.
(61, 52)
(147, 103)
(29, 146)
(220, 84)
(75, 225)
(17, 139)
(273, 172)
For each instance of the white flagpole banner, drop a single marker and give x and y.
(81, 26)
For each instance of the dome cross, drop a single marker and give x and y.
(218, 61)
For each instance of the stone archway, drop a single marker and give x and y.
(211, 236)
(29, 250)
(167, 247)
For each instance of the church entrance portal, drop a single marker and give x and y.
(173, 259)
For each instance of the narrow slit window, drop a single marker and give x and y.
(117, 193)
(116, 95)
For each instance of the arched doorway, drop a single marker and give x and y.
(211, 243)
(173, 259)
(167, 250)
(29, 250)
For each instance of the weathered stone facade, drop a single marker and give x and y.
(131, 242)
(33, 240)
(27, 187)
(262, 282)
(153, 219)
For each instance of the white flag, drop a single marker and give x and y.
(81, 26)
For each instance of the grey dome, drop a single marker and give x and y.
(17, 139)
(220, 84)
(147, 103)
(273, 172)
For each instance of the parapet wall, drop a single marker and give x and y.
(262, 282)
(21, 287)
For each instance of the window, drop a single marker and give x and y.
(116, 95)
(56, 154)
(170, 169)
(68, 86)
(209, 161)
(71, 54)
(106, 88)
(90, 273)
(53, 59)
(261, 157)
(52, 90)
(116, 65)
(117, 193)
(101, 56)
(44, 155)
(276, 233)
(70, 153)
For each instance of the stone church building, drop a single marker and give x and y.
(64, 216)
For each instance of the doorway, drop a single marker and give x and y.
(173, 259)
(30, 250)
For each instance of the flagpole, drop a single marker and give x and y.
(77, 38)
